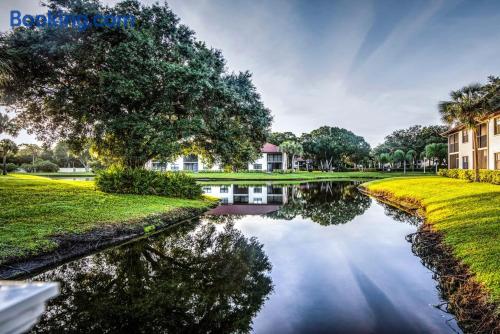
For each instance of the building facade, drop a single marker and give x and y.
(270, 160)
(461, 145)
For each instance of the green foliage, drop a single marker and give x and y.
(11, 167)
(485, 175)
(138, 94)
(145, 182)
(8, 125)
(36, 208)
(6, 146)
(414, 138)
(385, 158)
(437, 151)
(399, 156)
(333, 147)
(40, 166)
(277, 138)
(149, 228)
(46, 166)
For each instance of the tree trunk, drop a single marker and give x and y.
(404, 166)
(476, 155)
(4, 171)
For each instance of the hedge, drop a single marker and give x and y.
(147, 182)
(485, 175)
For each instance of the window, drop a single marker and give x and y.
(483, 159)
(224, 189)
(207, 190)
(224, 200)
(275, 157)
(497, 161)
(453, 161)
(465, 162)
(257, 190)
(257, 166)
(453, 143)
(174, 167)
(465, 136)
(482, 135)
(496, 126)
(257, 200)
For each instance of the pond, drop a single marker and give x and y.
(316, 257)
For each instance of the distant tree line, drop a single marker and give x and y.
(405, 147)
(326, 148)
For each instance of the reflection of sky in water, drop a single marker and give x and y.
(340, 264)
(356, 277)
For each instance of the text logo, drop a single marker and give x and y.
(66, 20)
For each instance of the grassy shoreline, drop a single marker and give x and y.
(300, 176)
(466, 214)
(246, 176)
(36, 211)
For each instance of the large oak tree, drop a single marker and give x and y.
(138, 93)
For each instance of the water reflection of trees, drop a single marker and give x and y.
(400, 215)
(190, 280)
(326, 203)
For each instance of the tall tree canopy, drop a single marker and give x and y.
(334, 147)
(277, 138)
(138, 93)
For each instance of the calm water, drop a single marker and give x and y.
(309, 258)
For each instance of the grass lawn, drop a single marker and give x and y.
(301, 175)
(84, 174)
(468, 215)
(34, 208)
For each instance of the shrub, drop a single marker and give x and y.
(46, 166)
(11, 167)
(28, 167)
(146, 182)
(485, 175)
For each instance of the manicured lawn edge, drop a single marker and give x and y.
(72, 246)
(44, 222)
(468, 299)
(300, 176)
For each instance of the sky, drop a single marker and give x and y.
(370, 66)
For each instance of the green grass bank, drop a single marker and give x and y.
(35, 209)
(466, 214)
(302, 176)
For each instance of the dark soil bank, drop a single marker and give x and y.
(71, 246)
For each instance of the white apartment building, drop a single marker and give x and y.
(461, 149)
(270, 160)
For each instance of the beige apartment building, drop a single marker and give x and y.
(461, 149)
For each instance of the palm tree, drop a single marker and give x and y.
(466, 107)
(437, 152)
(411, 155)
(384, 158)
(292, 148)
(6, 146)
(34, 150)
(399, 156)
(8, 125)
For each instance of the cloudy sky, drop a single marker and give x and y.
(369, 66)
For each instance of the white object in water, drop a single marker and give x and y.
(22, 303)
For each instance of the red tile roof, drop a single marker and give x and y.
(270, 148)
